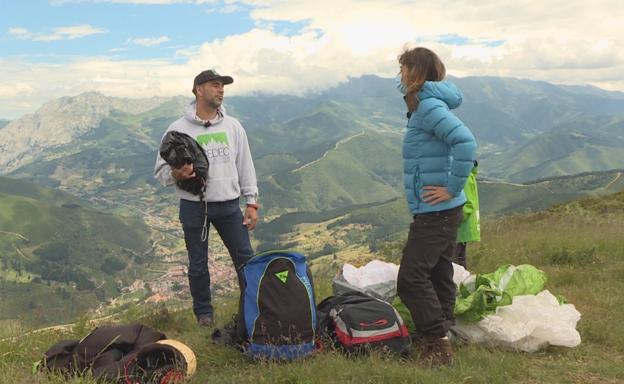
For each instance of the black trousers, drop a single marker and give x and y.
(425, 282)
(460, 255)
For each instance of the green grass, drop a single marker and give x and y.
(578, 245)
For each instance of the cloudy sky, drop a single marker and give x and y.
(143, 48)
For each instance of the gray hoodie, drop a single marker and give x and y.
(231, 171)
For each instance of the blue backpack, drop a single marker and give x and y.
(277, 317)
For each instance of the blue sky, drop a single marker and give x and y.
(144, 48)
(117, 28)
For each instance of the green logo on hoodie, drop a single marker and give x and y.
(217, 137)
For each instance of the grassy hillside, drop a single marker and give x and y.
(60, 256)
(582, 145)
(501, 198)
(577, 244)
(361, 169)
(385, 220)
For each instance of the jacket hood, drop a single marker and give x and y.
(190, 114)
(442, 90)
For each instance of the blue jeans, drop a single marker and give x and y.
(228, 220)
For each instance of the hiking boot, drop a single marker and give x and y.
(437, 353)
(419, 344)
(205, 320)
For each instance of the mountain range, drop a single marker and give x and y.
(80, 171)
(320, 152)
(526, 129)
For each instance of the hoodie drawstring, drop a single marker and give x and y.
(204, 233)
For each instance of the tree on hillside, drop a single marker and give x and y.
(328, 249)
(372, 245)
(56, 252)
(112, 264)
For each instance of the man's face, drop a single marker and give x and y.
(211, 93)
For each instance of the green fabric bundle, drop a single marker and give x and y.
(479, 297)
(496, 289)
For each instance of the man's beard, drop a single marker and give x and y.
(214, 103)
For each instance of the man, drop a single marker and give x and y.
(231, 173)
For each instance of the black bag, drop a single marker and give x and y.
(358, 323)
(177, 149)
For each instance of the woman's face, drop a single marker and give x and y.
(403, 72)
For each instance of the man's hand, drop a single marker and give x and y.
(435, 195)
(250, 218)
(183, 173)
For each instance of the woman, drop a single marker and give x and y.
(438, 155)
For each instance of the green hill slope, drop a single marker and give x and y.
(388, 219)
(64, 250)
(361, 169)
(580, 146)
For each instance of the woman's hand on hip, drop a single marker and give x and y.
(435, 194)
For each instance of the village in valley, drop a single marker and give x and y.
(167, 280)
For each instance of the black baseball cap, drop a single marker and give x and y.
(210, 75)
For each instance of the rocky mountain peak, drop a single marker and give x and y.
(60, 121)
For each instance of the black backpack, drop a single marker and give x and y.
(277, 315)
(177, 149)
(358, 323)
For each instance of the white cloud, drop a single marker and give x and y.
(60, 33)
(16, 89)
(21, 33)
(536, 36)
(18, 31)
(148, 41)
(561, 41)
(186, 52)
(230, 8)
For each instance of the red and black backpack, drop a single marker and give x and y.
(357, 323)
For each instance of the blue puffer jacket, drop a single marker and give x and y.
(438, 149)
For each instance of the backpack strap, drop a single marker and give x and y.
(229, 335)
